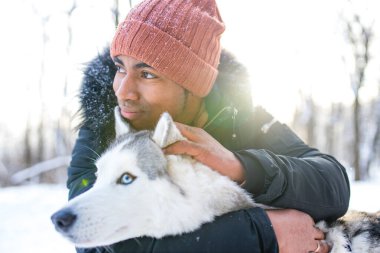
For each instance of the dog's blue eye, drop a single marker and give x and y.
(126, 178)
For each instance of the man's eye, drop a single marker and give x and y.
(120, 69)
(148, 75)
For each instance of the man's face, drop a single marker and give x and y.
(143, 95)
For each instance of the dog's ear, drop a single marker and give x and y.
(121, 126)
(166, 132)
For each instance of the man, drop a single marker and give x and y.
(166, 54)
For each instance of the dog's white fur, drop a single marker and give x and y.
(180, 201)
(170, 195)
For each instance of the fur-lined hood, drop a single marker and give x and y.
(97, 98)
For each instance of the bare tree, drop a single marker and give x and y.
(62, 131)
(335, 116)
(27, 145)
(41, 126)
(116, 12)
(360, 37)
(375, 143)
(3, 172)
(304, 118)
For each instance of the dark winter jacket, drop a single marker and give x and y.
(281, 170)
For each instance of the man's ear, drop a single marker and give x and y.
(121, 126)
(166, 132)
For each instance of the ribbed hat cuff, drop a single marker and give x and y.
(164, 53)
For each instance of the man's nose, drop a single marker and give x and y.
(127, 89)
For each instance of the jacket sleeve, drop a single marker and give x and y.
(282, 171)
(241, 231)
(82, 169)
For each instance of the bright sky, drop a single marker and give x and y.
(292, 46)
(288, 47)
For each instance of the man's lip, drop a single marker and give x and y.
(130, 114)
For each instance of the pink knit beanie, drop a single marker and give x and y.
(179, 38)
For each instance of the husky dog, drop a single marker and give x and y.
(137, 182)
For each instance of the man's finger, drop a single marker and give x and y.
(324, 247)
(189, 132)
(319, 235)
(184, 147)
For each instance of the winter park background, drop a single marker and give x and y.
(315, 65)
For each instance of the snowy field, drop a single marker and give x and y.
(25, 215)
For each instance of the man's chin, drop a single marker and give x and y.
(138, 125)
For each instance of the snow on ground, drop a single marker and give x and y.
(25, 215)
(365, 196)
(25, 219)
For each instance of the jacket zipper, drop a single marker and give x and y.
(230, 108)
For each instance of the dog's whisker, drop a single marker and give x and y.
(92, 150)
(110, 249)
(100, 250)
(91, 158)
(137, 241)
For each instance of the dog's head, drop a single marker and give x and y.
(131, 181)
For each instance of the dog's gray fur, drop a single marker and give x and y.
(356, 232)
(149, 157)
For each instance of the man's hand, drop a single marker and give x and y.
(205, 149)
(296, 233)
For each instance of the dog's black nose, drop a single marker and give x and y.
(63, 220)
